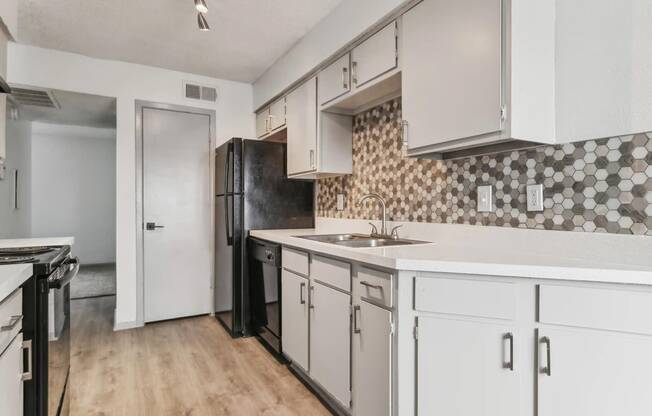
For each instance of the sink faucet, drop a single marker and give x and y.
(381, 201)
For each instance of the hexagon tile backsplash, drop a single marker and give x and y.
(594, 186)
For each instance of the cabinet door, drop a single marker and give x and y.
(335, 80)
(11, 383)
(451, 70)
(594, 373)
(330, 341)
(463, 369)
(372, 343)
(375, 56)
(302, 128)
(262, 123)
(277, 115)
(294, 318)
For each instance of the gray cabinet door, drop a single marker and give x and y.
(11, 383)
(452, 70)
(462, 369)
(262, 122)
(375, 56)
(277, 114)
(335, 80)
(595, 373)
(302, 128)
(294, 318)
(330, 341)
(372, 343)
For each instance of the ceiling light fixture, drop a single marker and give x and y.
(202, 23)
(201, 6)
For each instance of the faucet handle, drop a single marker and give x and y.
(394, 232)
(374, 229)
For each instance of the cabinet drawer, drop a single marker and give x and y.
(332, 272)
(375, 287)
(296, 261)
(11, 383)
(478, 298)
(616, 310)
(11, 312)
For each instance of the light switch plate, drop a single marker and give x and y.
(486, 198)
(340, 202)
(535, 198)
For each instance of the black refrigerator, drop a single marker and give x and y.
(252, 192)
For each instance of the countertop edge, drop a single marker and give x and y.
(18, 274)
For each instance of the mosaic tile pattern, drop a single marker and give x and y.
(594, 186)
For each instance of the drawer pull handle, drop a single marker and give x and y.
(356, 309)
(301, 298)
(547, 369)
(370, 285)
(311, 305)
(509, 364)
(27, 345)
(12, 323)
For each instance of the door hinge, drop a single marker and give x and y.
(503, 113)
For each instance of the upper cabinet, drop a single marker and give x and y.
(9, 17)
(3, 98)
(375, 56)
(271, 119)
(335, 80)
(452, 73)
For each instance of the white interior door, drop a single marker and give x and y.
(177, 197)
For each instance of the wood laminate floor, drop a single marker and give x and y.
(183, 367)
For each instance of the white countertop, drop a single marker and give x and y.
(12, 276)
(514, 253)
(39, 241)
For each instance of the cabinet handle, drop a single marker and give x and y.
(301, 299)
(404, 130)
(12, 323)
(27, 345)
(356, 309)
(311, 305)
(312, 159)
(354, 72)
(269, 118)
(371, 286)
(547, 369)
(509, 364)
(345, 75)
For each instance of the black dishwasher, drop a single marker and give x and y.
(265, 292)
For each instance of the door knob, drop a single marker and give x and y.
(151, 226)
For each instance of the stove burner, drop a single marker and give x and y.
(17, 251)
(16, 259)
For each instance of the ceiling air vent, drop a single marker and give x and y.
(33, 97)
(200, 92)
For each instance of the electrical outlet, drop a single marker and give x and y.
(340, 202)
(535, 198)
(486, 198)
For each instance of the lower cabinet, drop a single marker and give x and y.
(11, 382)
(372, 344)
(467, 368)
(330, 341)
(597, 373)
(294, 316)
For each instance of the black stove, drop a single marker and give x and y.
(18, 251)
(7, 259)
(44, 259)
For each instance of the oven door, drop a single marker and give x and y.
(59, 340)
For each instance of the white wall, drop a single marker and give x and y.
(346, 22)
(73, 188)
(16, 223)
(128, 83)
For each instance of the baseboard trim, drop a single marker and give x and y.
(122, 326)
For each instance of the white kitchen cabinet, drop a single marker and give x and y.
(9, 17)
(335, 80)
(3, 98)
(11, 382)
(451, 72)
(597, 373)
(302, 128)
(262, 123)
(372, 343)
(466, 368)
(277, 115)
(375, 56)
(294, 316)
(330, 341)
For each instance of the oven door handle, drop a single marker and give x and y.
(61, 282)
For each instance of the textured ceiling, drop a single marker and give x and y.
(247, 36)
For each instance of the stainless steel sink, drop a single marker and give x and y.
(359, 240)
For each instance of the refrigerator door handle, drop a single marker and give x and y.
(227, 165)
